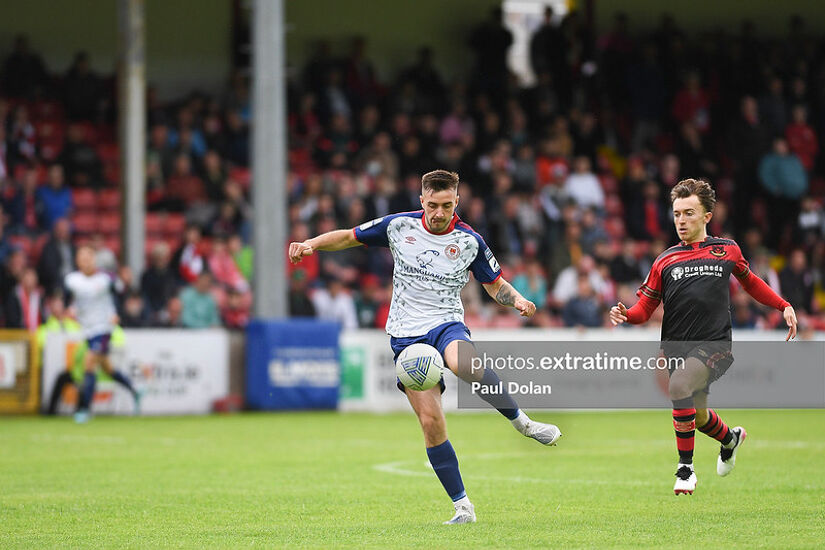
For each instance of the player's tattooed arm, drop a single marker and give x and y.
(506, 295)
(503, 292)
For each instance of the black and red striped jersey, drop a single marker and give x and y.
(693, 283)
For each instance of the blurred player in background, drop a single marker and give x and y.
(691, 280)
(91, 291)
(58, 321)
(433, 252)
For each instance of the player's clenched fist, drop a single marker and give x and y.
(618, 314)
(525, 307)
(297, 251)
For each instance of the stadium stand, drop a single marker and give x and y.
(574, 170)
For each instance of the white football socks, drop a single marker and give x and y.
(521, 422)
(463, 501)
(733, 441)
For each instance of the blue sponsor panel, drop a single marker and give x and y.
(292, 364)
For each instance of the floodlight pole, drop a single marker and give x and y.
(269, 166)
(132, 129)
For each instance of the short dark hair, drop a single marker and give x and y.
(702, 189)
(439, 180)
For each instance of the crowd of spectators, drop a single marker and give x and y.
(567, 179)
(60, 188)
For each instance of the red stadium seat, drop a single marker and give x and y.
(19, 172)
(613, 205)
(114, 244)
(82, 240)
(609, 183)
(154, 224)
(300, 159)
(50, 136)
(47, 110)
(817, 188)
(173, 244)
(205, 247)
(642, 248)
(89, 132)
(85, 222)
(242, 175)
(175, 226)
(615, 227)
(84, 199)
(111, 173)
(109, 223)
(50, 130)
(49, 151)
(106, 133)
(108, 152)
(109, 199)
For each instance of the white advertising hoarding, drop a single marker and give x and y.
(178, 371)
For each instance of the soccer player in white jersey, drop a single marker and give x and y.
(91, 293)
(433, 252)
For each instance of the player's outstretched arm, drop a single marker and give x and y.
(790, 319)
(503, 292)
(764, 294)
(330, 241)
(637, 314)
(618, 314)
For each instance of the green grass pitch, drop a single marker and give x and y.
(321, 480)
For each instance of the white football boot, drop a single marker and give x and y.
(464, 513)
(546, 434)
(685, 480)
(727, 457)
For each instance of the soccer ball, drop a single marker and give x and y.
(419, 367)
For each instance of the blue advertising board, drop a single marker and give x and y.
(292, 364)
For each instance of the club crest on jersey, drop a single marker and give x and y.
(718, 250)
(677, 273)
(425, 259)
(452, 251)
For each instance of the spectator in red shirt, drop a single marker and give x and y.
(184, 188)
(24, 306)
(223, 268)
(235, 313)
(802, 139)
(188, 261)
(552, 167)
(692, 104)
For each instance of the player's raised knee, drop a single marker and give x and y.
(679, 389)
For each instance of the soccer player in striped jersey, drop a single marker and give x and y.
(433, 253)
(91, 293)
(691, 280)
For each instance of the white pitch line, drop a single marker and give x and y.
(396, 468)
